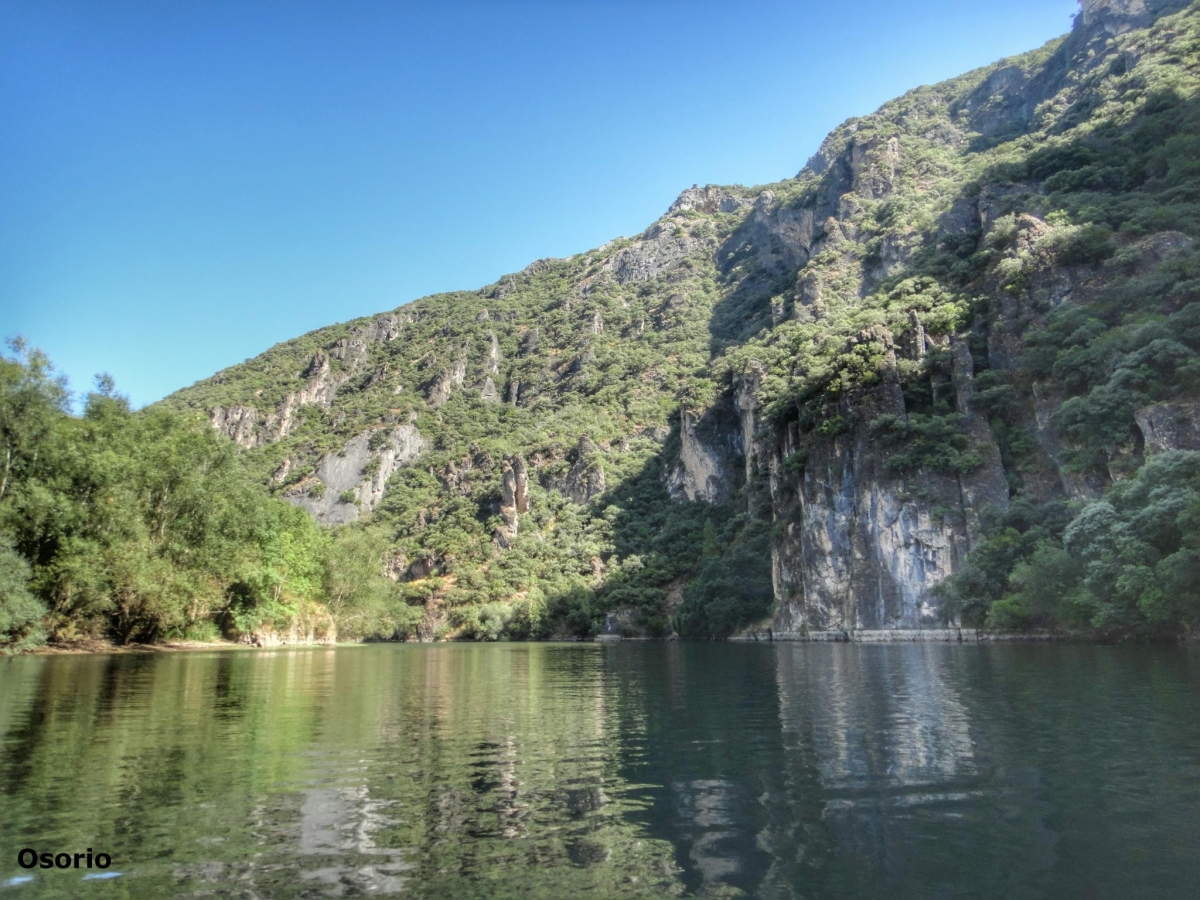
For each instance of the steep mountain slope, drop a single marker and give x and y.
(889, 393)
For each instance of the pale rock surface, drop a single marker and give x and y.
(344, 471)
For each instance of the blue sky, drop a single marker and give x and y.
(184, 184)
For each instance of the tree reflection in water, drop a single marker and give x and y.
(775, 771)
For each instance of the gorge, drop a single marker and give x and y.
(944, 379)
(849, 369)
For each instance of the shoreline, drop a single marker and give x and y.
(881, 636)
(874, 636)
(909, 636)
(81, 648)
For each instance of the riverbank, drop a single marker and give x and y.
(907, 636)
(103, 646)
(882, 636)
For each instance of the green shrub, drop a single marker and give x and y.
(939, 443)
(20, 611)
(1085, 246)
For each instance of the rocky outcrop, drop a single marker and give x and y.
(250, 429)
(1113, 17)
(662, 247)
(237, 422)
(585, 479)
(387, 327)
(1169, 426)
(488, 392)
(319, 390)
(350, 483)
(492, 365)
(708, 199)
(514, 500)
(446, 381)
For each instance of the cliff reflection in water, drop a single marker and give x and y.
(775, 771)
(907, 798)
(805, 770)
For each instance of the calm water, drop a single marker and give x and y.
(629, 770)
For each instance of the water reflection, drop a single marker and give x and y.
(784, 771)
(897, 770)
(888, 718)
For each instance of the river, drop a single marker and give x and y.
(607, 770)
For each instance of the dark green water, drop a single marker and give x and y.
(655, 770)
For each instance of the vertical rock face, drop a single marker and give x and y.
(710, 455)
(521, 485)
(864, 551)
(493, 359)
(745, 405)
(861, 546)
(514, 500)
(985, 486)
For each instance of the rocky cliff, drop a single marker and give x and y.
(842, 380)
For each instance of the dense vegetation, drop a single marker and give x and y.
(146, 526)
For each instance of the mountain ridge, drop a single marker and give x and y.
(833, 376)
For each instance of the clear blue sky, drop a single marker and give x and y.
(184, 184)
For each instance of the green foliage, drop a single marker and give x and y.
(1011, 537)
(364, 604)
(1087, 245)
(733, 587)
(1128, 564)
(20, 612)
(939, 443)
(1033, 251)
(141, 526)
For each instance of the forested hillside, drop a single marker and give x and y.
(947, 375)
